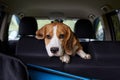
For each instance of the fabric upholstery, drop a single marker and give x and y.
(105, 50)
(27, 26)
(104, 62)
(12, 68)
(84, 29)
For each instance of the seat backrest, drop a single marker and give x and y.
(105, 50)
(84, 29)
(12, 68)
(28, 45)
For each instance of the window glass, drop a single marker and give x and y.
(99, 31)
(13, 28)
(42, 22)
(69, 22)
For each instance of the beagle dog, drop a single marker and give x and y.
(61, 41)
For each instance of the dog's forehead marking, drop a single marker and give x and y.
(55, 29)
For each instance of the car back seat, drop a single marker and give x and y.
(107, 56)
(106, 51)
(84, 31)
(104, 64)
(31, 50)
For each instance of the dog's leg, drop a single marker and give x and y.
(65, 58)
(83, 55)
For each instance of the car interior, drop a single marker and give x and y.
(95, 23)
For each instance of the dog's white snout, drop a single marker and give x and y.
(54, 50)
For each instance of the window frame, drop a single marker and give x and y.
(111, 24)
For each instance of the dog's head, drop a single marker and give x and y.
(58, 38)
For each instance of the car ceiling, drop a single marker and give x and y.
(69, 8)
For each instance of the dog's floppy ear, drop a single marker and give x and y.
(70, 41)
(40, 34)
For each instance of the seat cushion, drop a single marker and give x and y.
(30, 46)
(93, 69)
(105, 50)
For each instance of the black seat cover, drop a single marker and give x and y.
(84, 29)
(12, 68)
(27, 26)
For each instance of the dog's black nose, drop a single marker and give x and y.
(54, 49)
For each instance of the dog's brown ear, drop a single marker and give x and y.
(40, 34)
(70, 41)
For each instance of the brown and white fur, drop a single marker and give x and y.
(60, 41)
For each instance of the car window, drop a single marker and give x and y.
(42, 22)
(99, 31)
(69, 22)
(13, 28)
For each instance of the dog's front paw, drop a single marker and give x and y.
(65, 58)
(83, 55)
(87, 56)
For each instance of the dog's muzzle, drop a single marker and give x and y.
(54, 50)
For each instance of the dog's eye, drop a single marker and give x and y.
(48, 36)
(61, 36)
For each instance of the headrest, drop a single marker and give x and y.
(28, 26)
(84, 29)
